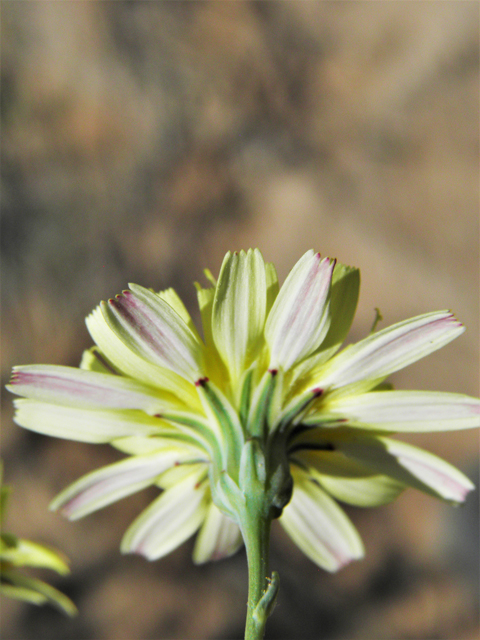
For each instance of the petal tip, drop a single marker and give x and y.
(463, 492)
(15, 377)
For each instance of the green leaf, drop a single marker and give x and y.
(35, 591)
(32, 554)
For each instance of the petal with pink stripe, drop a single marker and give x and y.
(82, 388)
(411, 465)
(120, 353)
(116, 481)
(155, 331)
(318, 525)
(389, 350)
(299, 318)
(170, 520)
(406, 411)
(218, 538)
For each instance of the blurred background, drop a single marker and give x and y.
(141, 141)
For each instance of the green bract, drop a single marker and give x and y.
(259, 419)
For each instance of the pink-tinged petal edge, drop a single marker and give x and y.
(452, 489)
(159, 333)
(391, 349)
(297, 323)
(114, 482)
(78, 387)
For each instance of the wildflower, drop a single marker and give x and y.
(16, 553)
(262, 418)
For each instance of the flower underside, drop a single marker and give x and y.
(264, 406)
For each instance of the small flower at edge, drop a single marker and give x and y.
(266, 400)
(16, 553)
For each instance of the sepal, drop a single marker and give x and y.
(253, 471)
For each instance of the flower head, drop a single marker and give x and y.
(265, 403)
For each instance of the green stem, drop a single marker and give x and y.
(262, 590)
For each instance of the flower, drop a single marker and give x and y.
(266, 404)
(18, 552)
